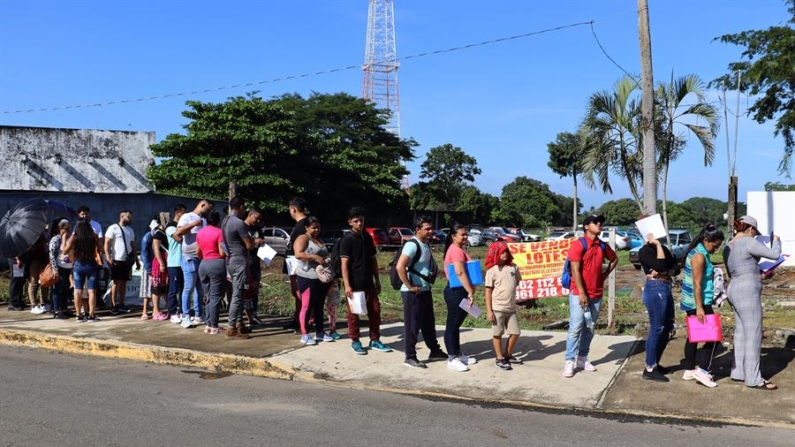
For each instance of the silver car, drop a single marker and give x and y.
(277, 238)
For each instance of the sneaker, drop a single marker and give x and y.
(322, 336)
(663, 370)
(114, 310)
(185, 323)
(60, 316)
(176, 319)
(689, 374)
(198, 321)
(13, 308)
(412, 362)
(308, 340)
(160, 316)
(123, 308)
(456, 365)
(568, 370)
(81, 319)
(654, 375)
(584, 364)
(378, 346)
(513, 360)
(92, 319)
(335, 336)
(467, 360)
(37, 310)
(437, 354)
(357, 348)
(704, 378)
(504, 365)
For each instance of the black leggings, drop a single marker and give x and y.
(691, 348)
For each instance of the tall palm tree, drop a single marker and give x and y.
(610, 133)
(681, 105)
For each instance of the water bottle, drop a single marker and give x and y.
(586, 313)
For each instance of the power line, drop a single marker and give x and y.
(298, 76)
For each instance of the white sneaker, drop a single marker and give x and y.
(704, 378)
(457, 365)
(689, 374)
(185, 323)
(198, 321)
(584, 364)
(176, 319)
(568, 370)
(37, 310)
(467, 360)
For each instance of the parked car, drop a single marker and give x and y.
(505, 236)
(525, 235)
(277, 238)
(473, 236)
(487, 237)
(635, 240)
(558, 236)
(330, 238)
(399, 235)
(680, 240)
(379, 237)
(622, 240)
(438, 237)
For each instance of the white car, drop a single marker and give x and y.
(622, 240)
(559, 236)
(473, 237)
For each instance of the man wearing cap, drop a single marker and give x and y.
(586, 258)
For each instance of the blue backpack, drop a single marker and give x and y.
(565, 277)
(147, 251)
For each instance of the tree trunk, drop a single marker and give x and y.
(574, 215)
(647, 110)
(665, 204)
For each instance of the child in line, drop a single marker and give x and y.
(333, 301)
(502, 277)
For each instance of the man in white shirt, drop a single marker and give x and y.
(121, 253)
(187, 227)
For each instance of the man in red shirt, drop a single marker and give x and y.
(585, 299)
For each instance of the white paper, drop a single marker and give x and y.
(19, 272)
(292, 265)
(358, 303)
(473, 310)
(652, 224)
(266, 253)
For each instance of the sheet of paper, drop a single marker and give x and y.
(19, 272)
(292, 264)
(473, 310)
(652, 224)
(266, 253)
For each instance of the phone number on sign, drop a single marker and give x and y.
(531, 289)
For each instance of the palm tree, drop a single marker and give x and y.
(610, 134)
(681, 105)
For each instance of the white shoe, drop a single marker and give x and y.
(176, 319)
(704, 378)
(198, 321)
(467, 360)
(568, 370)
(37, 310)
(584, 364)
(457, 365)
(186, 323)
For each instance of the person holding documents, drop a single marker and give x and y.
(457, 257)
(742, 257)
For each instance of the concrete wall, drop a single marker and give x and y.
(775, 211)
(78, 160)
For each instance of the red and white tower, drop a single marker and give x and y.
(380, 61)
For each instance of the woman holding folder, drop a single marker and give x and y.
(455, 259)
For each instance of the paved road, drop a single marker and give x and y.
(55, 399)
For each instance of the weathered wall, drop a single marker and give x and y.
(79, 160)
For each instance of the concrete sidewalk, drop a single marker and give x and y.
(273, 352)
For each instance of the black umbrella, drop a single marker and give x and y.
(22, 226)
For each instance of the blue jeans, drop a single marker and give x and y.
(455, 318)
(578, 342)
(60, 292)
(190, 273)
(659, 302)
(175, 286)
(85, 272)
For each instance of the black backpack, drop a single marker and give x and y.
(334, 260)
(394, 278)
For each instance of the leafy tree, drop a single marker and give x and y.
(619, 212)
(529, 203)
(706, 210)
(565, 159)
(612, 140)
(681, 104)
(778, 186)
(333, 150)
(448, 170)
(479, 204)
(769, 73)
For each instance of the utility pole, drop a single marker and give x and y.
(647, 111)
(733, 180)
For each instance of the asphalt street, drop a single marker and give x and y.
(50, 398)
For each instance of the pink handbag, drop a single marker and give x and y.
(710, 330)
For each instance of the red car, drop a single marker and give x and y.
(399, 235)
(379, 237)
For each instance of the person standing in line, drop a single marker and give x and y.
(175, 280)
(587, 277)
(502, 278)
(122, 254)
(255, 267)
(16, 285)
(312, 252)
(417, 278)
(63, 265)
(238, 245)
(159, 273)
(360, 273)
(83, 212)
(34, 260)
(698, 293)
(742, 257)
(660, 267)
(298, 214)
(82, 249)
(212, 270)
(457, 257)
(187, 226)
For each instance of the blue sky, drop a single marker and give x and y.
(501, 103)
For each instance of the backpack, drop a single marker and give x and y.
(565, 277)
(334, 260)
(394, 278)
(147, 251)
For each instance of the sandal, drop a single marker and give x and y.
(766, 386)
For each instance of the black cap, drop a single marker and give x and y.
(591, 219)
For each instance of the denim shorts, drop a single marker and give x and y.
(85, 271)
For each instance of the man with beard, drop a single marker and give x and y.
(121, 253)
